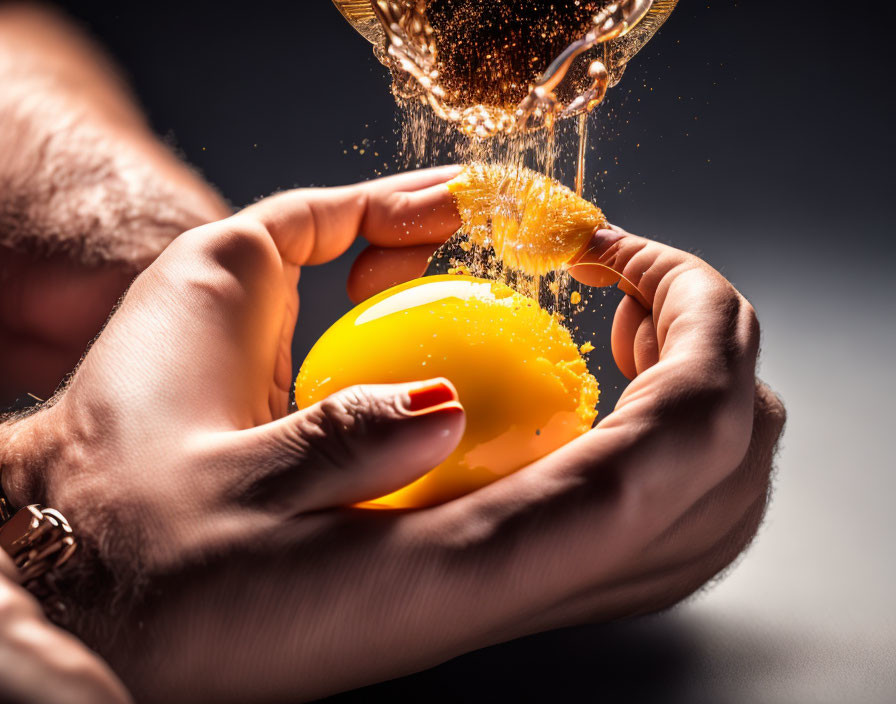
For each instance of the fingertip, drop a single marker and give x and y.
(434, 419)
(421, 424)
(594, 274)
(601, 262)
(434, 175)
(447, 171)
(429, 395)
(597, 245)
(415, 179)
(432, 434)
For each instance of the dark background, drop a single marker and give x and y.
(744, 129)
(757, 134)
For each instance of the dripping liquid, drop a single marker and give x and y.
(447, 54)
(460, 106)
(559, 153)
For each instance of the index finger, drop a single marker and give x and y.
(316, 225)
(694, 308)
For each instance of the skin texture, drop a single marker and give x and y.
(175, 424)
(217, 562)
(88, 197)
(42, 663)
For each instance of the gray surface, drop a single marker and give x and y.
(809, 614)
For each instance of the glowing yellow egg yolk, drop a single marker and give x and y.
(534, 223)
(524, 385)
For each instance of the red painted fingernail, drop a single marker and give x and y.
(431, 395)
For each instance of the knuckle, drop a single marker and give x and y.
(383, 214)
(342, 411)
(398, 203)
(728, 323)
(239, 244)
(629, 254)
(707, 417)
(335, 427)
(226, 260)
(366, 407)
(686, 401)
(346, 421)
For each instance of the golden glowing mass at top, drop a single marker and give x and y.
(498, 67)
(502, 76)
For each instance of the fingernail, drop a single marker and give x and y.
(430, 395)
(601, 240)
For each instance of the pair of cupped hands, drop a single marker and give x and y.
(240, 571)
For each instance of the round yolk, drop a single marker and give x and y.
(524, 385)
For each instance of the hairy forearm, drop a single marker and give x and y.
(88, 197)
(80, 172)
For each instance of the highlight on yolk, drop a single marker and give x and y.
(524, 385)
(534, 223)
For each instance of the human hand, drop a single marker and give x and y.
(41, 664)
(179, 408)
(174, 458)
(678, 474)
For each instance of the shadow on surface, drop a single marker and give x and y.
(651, 660)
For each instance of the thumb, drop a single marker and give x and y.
(358, 444)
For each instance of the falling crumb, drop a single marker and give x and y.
(586, 348)
(575, 298)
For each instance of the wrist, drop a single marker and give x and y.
(27, 445)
